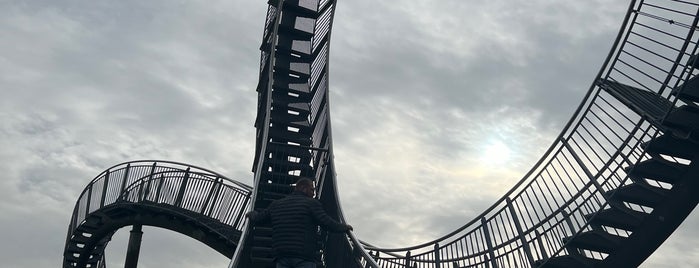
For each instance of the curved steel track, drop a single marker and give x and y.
(612, 187)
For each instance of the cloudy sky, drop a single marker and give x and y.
(438, 107)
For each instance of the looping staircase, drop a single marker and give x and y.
(617, 181)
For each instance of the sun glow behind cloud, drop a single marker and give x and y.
(495, 154)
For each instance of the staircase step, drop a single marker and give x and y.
(568, 261)
(658, 170)
(671, 146)
(263, 262)
(284, 133)
(286, 44)
(299, 7)
(646, 103)
(275, 187)
(297, 28)
(624, 219)
(263, 231)
(263, 252)
(690, 90)
(595, 240)
(684, 120)
(282, 165)
(290, 64)
(639, 193)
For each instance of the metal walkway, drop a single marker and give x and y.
(615, 183)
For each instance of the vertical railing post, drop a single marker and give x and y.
(160, 187)
(239, 218)
(219, 186)
(407, 259)
(89, 200)
(141, 195)
(570, 224)
(183, 187)
(123, 181)
(520, 232)
(489, 243)
(580, 163)
(104, 188)
(542, 249)
(214, 185)
(437, 258)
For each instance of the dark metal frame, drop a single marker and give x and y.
(624, 109)
(637, 99)
(150, 185)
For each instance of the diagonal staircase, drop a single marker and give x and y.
(661, 191)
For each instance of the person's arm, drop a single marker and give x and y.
(257, 217)
(325, 221)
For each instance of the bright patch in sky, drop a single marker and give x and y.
(495, 153)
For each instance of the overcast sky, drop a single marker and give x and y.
(438, 107)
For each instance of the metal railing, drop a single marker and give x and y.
(180, 185)
(569, 184)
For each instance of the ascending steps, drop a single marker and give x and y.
(671, 146)
(659, 185)
(689, 91)
(596, 240)
(638, 193)
(617, 217)
(685, 122)
(657, 170)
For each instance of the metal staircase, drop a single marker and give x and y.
(618, 180)
(615, 183)
(186, 199)
(293, 127)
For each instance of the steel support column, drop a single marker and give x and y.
(134, 247)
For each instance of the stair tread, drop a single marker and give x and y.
(645, 103)
(640, 194)
(669, 145)
(684, 118)
(596, 240)
(626, 219)
(658, 170)
(297, 7)
(689, 90)
(568, 261)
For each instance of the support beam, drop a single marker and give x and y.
(134, 247)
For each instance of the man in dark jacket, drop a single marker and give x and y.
(295, 221)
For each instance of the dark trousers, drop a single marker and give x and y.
(294, 263)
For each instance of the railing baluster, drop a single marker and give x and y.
(181, 190)
(89, 200)
(589, 174)
(489, 243)
(104, 188)
(544, 254)
(161, 181)
(437, 260)
(520, 232)
(208, 196)
(123, 181)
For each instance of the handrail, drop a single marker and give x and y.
(584, 162)
(116, 185)
(265, 133)
(556, 144)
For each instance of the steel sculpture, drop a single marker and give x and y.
(616, 182)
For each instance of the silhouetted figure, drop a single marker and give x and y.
(295, 220)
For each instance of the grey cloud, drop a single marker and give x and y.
(417, 91)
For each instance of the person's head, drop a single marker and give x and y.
(306, 186)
